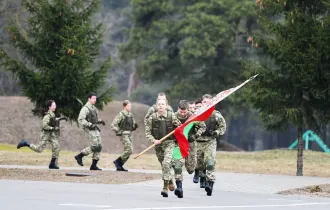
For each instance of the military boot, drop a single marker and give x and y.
(119, 164)
(178, 191)
(79, 158)
(53, 164)
(164, 192)
(202, 182)
(171, 186)
(23, 143)
(209, 188)
(196, 176)
(94, 167)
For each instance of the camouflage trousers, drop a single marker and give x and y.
(128, 147)
(95, 144)
(191, 160)
(206, 158)
(45, 138)
(164, 152)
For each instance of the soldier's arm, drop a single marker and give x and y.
(221, 124)
(82, 117)
(201, 128)
(175, 121)
(149, 113)
(115, 123)
(45, 123)
(148, 132)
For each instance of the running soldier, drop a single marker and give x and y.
(207, 147)
(158, 125)
(89, 118)
(123, 125)
(196, 131)
(47, 135)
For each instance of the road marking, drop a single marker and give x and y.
(84, 205)
(279, 199)
(223, 207)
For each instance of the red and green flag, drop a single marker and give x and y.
(181, 132)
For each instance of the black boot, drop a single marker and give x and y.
(52, 164)
(23, 143)
(79, 158)
(119, 164)
(209, 188)
(196, 176)
(94, 167)
(202, 182)
(178, 191)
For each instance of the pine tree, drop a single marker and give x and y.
(58, 50)
(289, 89)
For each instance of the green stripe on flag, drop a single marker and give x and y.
(187, 129)
(176, 152)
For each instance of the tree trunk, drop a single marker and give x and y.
(300, 154)
(132, 80)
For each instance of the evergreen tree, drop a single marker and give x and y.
(58, 49)
(189, 43)
(290, 89)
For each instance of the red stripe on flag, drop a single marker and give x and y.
(178, 133)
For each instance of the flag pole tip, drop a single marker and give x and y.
(251, 78)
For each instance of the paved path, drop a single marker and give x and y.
(232, 191)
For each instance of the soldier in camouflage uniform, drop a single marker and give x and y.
(47, 136)
(158, 148)
(88, 118)
(198, 105)
(158, 125)
(123, 125)
(196, 131)
(207, 147)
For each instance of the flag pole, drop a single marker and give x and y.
(151, 146)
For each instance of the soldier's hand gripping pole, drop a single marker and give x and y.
(151, 146)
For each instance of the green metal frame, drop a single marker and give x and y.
(311, 136)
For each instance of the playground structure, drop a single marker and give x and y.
(310, 136)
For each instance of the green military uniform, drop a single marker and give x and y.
(206, 150)
(158, 126)
(88, 118)
(47, 136)
(196, 131)
(123, 125)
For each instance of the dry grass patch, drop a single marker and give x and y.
(98, 177)
(315, 190)
(262, 162)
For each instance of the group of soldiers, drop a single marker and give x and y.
(159, 121)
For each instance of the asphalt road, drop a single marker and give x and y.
(25, 195)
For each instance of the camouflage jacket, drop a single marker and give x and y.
(220, 128)
(48, 122)
(117, 124)
(199, 127)
(152, 110)
(83, 115)
(148, 129)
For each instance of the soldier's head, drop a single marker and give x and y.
(161, 105)
(127, 105)
(206, 99)
(161, 96)
(92, 98)
(198, 103)
(191, 105)
(51, 105)
(183, 108)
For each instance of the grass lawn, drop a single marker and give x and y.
(261, 162)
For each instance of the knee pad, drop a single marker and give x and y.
(178, 168)
(210, 165)
(99, 148)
